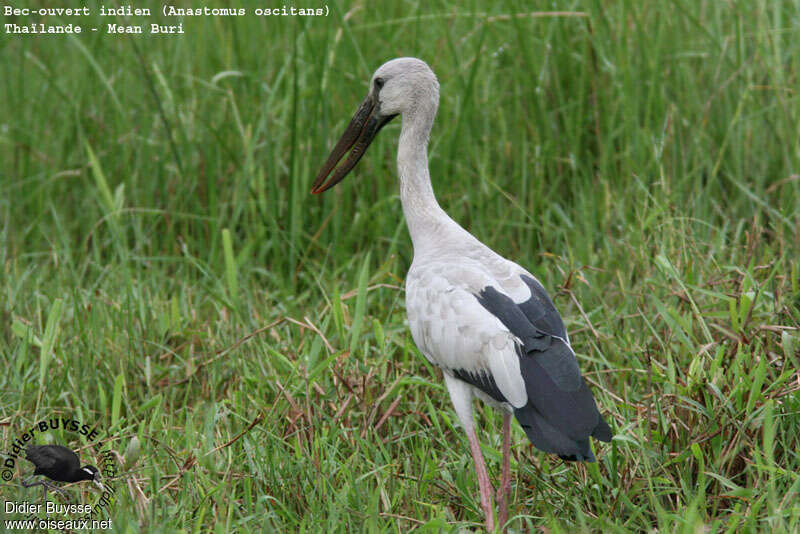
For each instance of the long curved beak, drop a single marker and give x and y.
(363, 128)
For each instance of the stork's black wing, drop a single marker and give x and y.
(561, 413)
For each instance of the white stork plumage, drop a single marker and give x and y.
(484, 320)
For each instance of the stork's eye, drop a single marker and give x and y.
(379, 82)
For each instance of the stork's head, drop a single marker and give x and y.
(402, 86)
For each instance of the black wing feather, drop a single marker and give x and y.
(481, 380)
(561, 412)
(540, 310)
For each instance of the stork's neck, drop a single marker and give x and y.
(424, 216)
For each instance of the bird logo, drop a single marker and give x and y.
(60, 464)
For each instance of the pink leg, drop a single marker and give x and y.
(483, 479)
(504, 491)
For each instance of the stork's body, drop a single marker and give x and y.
(484, 320)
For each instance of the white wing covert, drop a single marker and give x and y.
(456, 333)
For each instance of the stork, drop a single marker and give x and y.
(484, 320)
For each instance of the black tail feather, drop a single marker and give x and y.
(548, 438)
(602, 431)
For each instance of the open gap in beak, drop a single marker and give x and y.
(363, 128)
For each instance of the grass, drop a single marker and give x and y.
(166, 276)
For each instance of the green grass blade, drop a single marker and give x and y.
(361, 304)
(49, 339)
(231, 276)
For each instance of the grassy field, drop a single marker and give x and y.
(165, 275)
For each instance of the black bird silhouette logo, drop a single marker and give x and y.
(60, 464)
